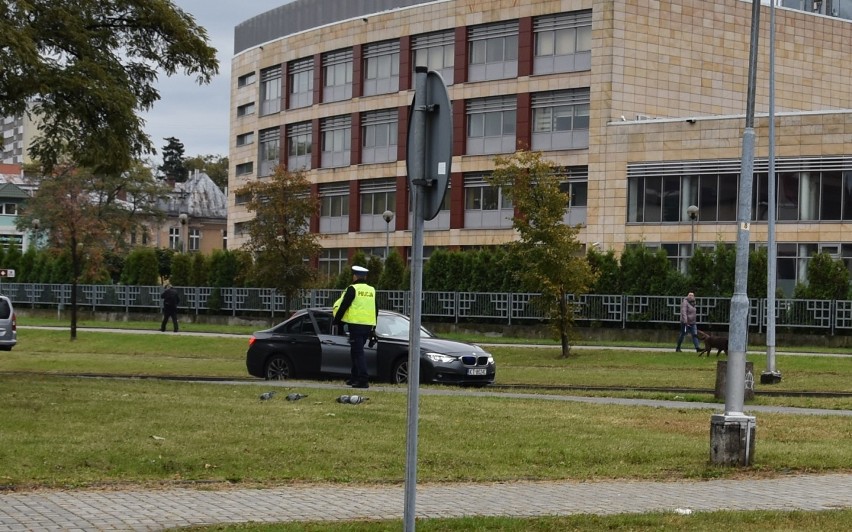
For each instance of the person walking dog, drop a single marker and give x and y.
(688, 321)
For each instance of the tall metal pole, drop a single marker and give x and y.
(771, 375)
(732, 433)
(418, 173)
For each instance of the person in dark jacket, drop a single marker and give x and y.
(358, 308)
(171, 299)
(688, 321)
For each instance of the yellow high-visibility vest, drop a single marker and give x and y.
(362, 311)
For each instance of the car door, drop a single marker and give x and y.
(299, 340)
(336, 351)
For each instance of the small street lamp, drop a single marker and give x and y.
(692, 211)
(184, 230)
(388, 216)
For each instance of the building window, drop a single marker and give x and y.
(269, 152)
(563, 42)
(337, 75)
(194, 239)
(334, 208)
(12, 242)
(808, 190)
(245, 138)
(336, 141)
(246, 79)
(301, 74)
(491, 125)
(379, 136)
(377, 196)
(245, 109)
(436, 51)
(241, 229)
(576, 187)
(10, 208)
(485, 205)
(333, 262)
(560, 120)
(242, 199)
(493, 51)
(299, 141)
(270, 90)
(381, 68)
(174, 238)
(244, 168)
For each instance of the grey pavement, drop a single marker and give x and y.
(168, 508)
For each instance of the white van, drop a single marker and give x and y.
(8, 325)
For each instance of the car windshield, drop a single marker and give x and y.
(393, 325)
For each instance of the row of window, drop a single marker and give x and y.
(560, 121)
(561, 42)
(801, 196)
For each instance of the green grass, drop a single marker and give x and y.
(757, 521)
(167, 354)
(66, 432)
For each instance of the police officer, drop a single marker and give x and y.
(359, 309)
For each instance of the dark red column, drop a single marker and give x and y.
(318, 78)
(402, 134)
(354, 206)
(525, 47)
(357, 77)
(456, 200)
(460, 67)
(401, 216)
(459, 127)
(523, 125)
(405, 67)
(355, 143)
(316, 144)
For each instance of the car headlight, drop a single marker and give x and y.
(440, 357)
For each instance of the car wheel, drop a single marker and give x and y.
(279, 368)
(5, 347)
(399, 374)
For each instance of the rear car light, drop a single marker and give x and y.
(14, 322)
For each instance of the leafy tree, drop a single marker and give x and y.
(199, 270)
(279, 235)
(376, 266)
(828, 278)
(550, 248)
(215, 166)
(173, 167)
(223, 268)
(606, 270)
(245, 269)
(393, 274)
(27, 266)
(140, 268)
(91, 68)
(758, 270)
(87, 216)
(181, 270)
(435, 271)
(164, 261)
(644, 271)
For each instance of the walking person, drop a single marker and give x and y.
(171, 299)
(688, 321)
(358, 309)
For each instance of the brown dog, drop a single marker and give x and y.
(719, 343)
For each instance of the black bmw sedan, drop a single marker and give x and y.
(307, 345)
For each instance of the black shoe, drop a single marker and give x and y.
(350, 382)
(677, 350)
(360, 385)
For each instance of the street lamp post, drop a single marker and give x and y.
(388, 216)
(36, 226)
(184, 231)
(692, 211)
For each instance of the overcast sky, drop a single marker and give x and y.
(198, 115)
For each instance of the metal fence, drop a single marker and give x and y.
(829, 316)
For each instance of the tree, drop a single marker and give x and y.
(86, 70)
(393, 273)
(87, 215)
(280, 239)
(552, 253)
(173, 167)
(215, 166)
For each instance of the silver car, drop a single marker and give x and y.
(8, 325)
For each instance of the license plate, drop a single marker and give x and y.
(476, 371)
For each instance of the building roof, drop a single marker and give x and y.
(12, 191)
(199, 197)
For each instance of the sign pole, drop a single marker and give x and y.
(416, 175)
